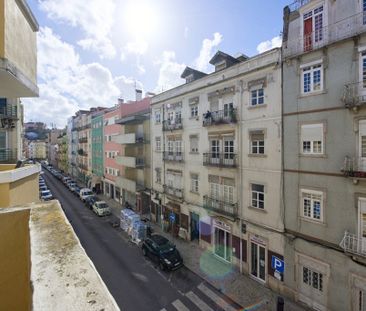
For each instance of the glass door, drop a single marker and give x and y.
(215, 151)
(362, 225)
(258, 261)
(222, 244)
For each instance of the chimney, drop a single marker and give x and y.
(138, 95)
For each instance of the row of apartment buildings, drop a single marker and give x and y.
(261, 161)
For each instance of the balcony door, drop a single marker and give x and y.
(3, 146)
(362, 224)
(362, 145)
(215, 151)
(313, 28)
(362, 78)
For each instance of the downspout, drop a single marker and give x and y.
(240, 172)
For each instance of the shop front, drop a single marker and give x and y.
(222, 239)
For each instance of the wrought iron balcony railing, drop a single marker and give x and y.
(220, 206)
(354, 94)
(8, 155)
(354, 167)
(340, 30)
(225, 116)
(298, 4)
(173, 156)
(9, 112)
(83, 140)
(140, 162)
(353, 244)
(175, 192)
(172, 125)
(220, 159)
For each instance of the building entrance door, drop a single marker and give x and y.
(112, 191)
(258, 261)
(195, 226)
(222, 244)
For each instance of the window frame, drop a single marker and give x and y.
(256, 90)
(308, 212)
(311, 143)
(257, 194)
(256, 144)
(310, 69)
(194, 182)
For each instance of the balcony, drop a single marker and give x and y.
(354, 95)
(83, 140)
(8, 156)
(169, 125)
(132, 138)
(83, 166)
(9, 112)
(354, 167)
(353, 244)
(226, 116)
(174, 192)
(220, 207)
(343, 29)
(220, 159)
(173, 156)
(134, 162)
(298, 4)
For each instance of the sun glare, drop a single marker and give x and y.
(141, 19)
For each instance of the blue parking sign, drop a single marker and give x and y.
(278, 264)
(172, 217)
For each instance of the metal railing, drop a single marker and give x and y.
(225, 116)
(298, 4)
(220, 206)
(175, 192)
(220, 159)
(169, 125)
(8, 155)
(353, 244)
(173, 156)
(83, 140)
(354, 167)
(9, 111)
(354, 94)
(340, 30)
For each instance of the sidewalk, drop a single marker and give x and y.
(239, 287)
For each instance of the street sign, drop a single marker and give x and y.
(172, 217)
(278, 264)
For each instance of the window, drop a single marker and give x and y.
(193, 142)
(194, 183)
(312, 138)
(257, 97)
(313, 28)
(228, 148)
(170, 147)
(312, 78)
(312, 278)
(364, 11)
(257, 142)
(257, 196)
(194, 111)
(158, 175)
(312, 204)
(157, 116)
(158, 143)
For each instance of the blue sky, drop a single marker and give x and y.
(90, 52)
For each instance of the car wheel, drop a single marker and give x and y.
(144, 252)
(161, 266)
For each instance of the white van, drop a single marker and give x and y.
(84, 193)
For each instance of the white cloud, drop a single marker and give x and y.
(207, 51)
(95, 17)
(66, 85)
(138, 47)
(186, 30)
(169, 73)
(269, 44)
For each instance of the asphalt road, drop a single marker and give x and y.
(134, 281)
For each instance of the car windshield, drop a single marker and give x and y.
(88, 193)
(167, 248)
(46, 192)
(102, 205)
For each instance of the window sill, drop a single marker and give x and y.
(250, 107)
(194, 192)
(257, 209)
(194, 153)
(313, 221)
(313, 155)
(255, 155)
(316, 93)
(194, 118)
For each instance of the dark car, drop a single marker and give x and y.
(89, 201)
(162, 251)
(76, 190)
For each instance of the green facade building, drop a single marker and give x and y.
(97, 151)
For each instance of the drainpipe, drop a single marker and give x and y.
(240, 205)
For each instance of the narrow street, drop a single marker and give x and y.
(134, 281)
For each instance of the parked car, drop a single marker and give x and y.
(89, 201)
(162, 251)
(76, 190)
(46, 195)
(43, 188)
(65, 179)
(101, 208)
(84, 193)
(71, 186)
